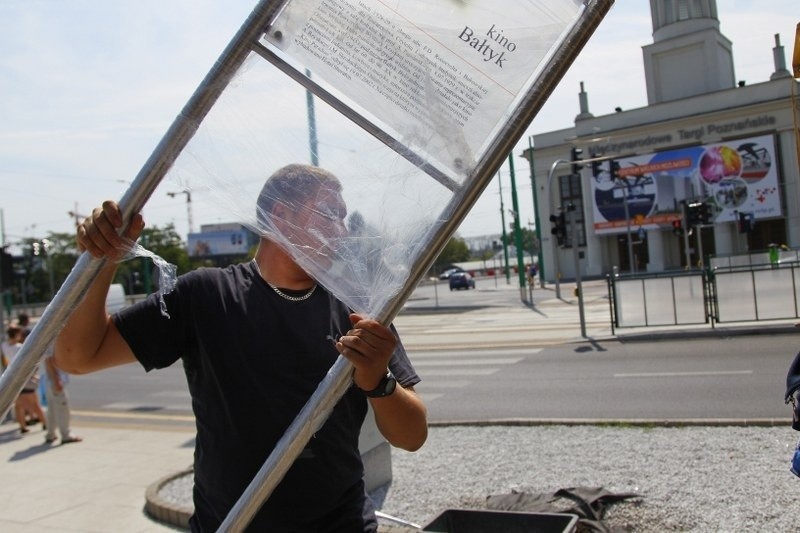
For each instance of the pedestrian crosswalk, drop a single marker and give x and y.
(446, 371)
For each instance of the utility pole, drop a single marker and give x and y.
(686, 229)
(312, 125)
(188, 206)
(74, 214)
(517, 230)
(536, 220)
(503, 222)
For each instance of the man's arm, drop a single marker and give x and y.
(401, 417)
(90, 341)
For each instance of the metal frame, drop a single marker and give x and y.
(335, 384)
(155, 168)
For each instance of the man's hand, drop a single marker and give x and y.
(401, 417)
(369, 345)
(98, 232)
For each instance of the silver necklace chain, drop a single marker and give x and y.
(282, 294)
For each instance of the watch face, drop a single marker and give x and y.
(391, 384)
(385, 387)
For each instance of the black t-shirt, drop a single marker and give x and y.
(252, 359)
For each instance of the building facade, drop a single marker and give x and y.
(704, 143)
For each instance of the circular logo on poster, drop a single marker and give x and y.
(639, 195)
(730, 193)
(719, 162)
(756, 161)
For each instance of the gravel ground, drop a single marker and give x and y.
(693, 479)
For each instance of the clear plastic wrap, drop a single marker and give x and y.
(432, 81)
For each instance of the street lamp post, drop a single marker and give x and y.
(557, 274)
(571, 209)
(628, 223)
(573, 216)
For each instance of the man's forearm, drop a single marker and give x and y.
(402, 419)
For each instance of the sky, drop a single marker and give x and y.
(87, 90)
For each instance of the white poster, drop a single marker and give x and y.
(440, 77)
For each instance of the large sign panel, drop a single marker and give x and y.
(440, 76)
(738, 176)
(210, 243)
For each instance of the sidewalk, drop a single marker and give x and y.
(509, 322)
(99, 485)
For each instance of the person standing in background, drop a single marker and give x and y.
(27, 401)
(58, 413)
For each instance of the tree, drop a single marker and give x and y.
(139, 275)
(456, 250)
(49, 261)
(43, 266)
(530, 244)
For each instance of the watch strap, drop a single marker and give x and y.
(385, 387)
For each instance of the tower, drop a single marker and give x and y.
(689, 56)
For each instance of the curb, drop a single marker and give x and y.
(165, 511)
(620, 423)
(718, 331)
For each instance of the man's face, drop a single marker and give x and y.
(317, 223)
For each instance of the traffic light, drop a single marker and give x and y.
(613, 169)
(596, 168)
(706, 213)
(745, 222)
(559, 228)
(693, 217)
(677, 227)
(576, 158)
(6, 269)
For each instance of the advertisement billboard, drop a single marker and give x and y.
(737, 176)
(210, 243)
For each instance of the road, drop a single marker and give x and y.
(713, 378)
(729, 378)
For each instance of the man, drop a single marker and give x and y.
(255, 340)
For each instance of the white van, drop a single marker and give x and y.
(115, 299)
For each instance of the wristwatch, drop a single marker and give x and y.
(385, 387)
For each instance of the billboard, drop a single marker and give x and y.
(229, 242)
(737, 176)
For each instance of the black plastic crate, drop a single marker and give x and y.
(474, 521)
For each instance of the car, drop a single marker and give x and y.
(449, 272)
(461, 280)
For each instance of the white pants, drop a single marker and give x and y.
(57, 412)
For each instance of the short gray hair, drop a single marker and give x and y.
(292, 184)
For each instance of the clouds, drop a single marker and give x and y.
(88, 90)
